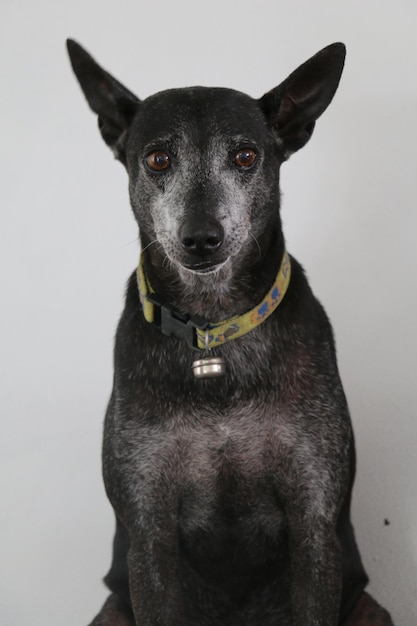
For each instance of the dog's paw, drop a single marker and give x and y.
(367, 612)
(114, 613)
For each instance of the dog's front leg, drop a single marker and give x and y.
(154, 579)
(316, 578)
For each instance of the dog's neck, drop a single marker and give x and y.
(234, 289)
(199, 332)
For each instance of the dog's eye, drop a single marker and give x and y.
(245, 158)
(158, 161)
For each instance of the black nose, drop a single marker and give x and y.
(201, 238)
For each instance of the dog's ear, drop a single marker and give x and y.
(115, 105)
(293, 107)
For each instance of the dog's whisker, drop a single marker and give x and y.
(155, 242)
(166, 263)
(258, 246)
(131, 242)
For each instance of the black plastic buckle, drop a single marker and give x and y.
(172, 322)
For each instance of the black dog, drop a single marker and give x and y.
(228, 451)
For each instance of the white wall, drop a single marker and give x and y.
(68, 243)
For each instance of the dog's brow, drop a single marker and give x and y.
(233, 142)
(162, 140)
(242, 139)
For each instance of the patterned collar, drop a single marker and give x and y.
(198, 332)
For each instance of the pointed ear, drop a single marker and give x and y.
(113, 103)
(293, 107)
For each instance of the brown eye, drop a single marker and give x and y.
(158, 161)
(245, 158)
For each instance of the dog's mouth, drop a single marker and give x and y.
(204, 267)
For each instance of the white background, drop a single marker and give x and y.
(68, 243)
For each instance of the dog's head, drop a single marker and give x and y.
(203, 163)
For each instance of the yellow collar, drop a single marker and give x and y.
(198, 332)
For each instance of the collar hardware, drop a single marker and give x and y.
(174, 323)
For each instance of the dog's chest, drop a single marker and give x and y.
(226, 479)
(215, 472)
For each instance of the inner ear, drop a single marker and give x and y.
(293, 107)
(115, 105)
